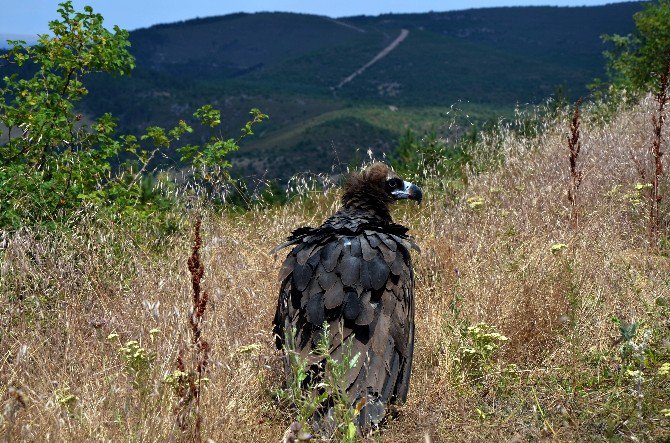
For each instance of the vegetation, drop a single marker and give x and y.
(320, 402)
(576, 174)
(53, 163)
(584, 309)
(528, 325)
(638, 59)
(482, 61)
(49, 163)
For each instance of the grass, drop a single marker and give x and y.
(584, 310)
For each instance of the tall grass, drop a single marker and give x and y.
(582, 309)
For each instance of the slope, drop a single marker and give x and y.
(287, 65)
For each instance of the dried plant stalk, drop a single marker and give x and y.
(574, 146)
(189, 417)
(657, 154)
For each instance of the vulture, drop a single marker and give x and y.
(353, 275)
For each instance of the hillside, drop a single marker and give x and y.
(583, 309)
(290, 66)
(138, 307)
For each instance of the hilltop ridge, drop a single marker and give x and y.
(484, 61)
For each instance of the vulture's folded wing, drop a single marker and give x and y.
(362, 286)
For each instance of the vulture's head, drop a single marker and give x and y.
(377, 187)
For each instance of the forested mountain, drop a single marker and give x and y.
(309, 74)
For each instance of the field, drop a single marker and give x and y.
(530, 325)
(315, 142)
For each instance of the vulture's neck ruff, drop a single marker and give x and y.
(366, 197)
(375, 189)
(365, 205)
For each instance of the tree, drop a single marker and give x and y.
(638, 59)
(51, 161)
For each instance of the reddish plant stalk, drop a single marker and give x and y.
(574, 146)
(657, 154)
(189, 387)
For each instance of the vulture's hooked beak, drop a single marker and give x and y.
(409, 191)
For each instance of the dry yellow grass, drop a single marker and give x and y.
(62, 379)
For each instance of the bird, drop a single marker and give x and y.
(352, 278)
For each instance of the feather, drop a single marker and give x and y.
(313, 260)
(391, 242)
(305, 253)
(392, 379)
(379, 272)
(330, 255)
(368, 252)
(388, 302)
(399, 265)
(314, 309)
(278, 248)
(372, 238)
(302, 274)
(387, 253)
(399, 293)
(351, 306)
(365, 281)
(287, 267)
(388, 355)
(350, 270)
(360, 349)
(334, 296)
(372, 413)
(380, 334)
(326, 279)
(312, 288)
(367, 311)
(355, 246)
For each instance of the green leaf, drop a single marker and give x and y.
(208, 116)
(351, 431)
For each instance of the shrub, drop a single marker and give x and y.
(638, 58)
(54, 163)
(476, 350)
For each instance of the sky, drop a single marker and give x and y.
(29, 17)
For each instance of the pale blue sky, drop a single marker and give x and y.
(31, 16)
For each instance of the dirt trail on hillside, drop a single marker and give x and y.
(384, 52)
(347, 25)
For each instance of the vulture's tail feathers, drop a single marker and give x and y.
(372, 411)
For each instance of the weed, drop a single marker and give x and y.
(66, 399)
(188, 383)
(658, 120)
(318, 391)
(475, 352)
(138, 362)
(574, 147)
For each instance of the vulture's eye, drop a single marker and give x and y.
(394, 183)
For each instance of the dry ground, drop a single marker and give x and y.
(565, 374)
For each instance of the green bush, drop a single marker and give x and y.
(53, 163)
(312, 389)
(431, 156)
(639, 58)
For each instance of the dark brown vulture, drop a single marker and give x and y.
(355, 273)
